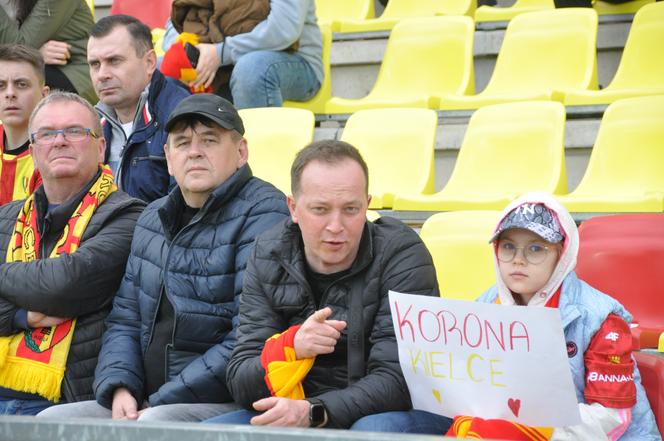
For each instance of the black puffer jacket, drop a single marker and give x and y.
(199, 269)
(276, 295)
(81, 284)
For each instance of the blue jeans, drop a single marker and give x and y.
(267, 78)
(23, 407)
(409, 421)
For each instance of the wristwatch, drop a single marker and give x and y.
(317, 414)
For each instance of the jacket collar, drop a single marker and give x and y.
(169, 212)
(145, 109)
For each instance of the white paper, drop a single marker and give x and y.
(485, 360)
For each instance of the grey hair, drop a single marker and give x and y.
(59, 96)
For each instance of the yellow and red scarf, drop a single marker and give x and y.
(478, 428)
(284, 373)
(34, 361)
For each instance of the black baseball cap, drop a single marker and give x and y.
(210, 106)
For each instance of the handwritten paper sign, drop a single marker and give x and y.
(485, 360)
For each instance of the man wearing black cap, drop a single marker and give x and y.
(172, 328)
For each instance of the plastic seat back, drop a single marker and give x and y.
(398, 147)
(642, 62)
(274, 136)
(153, 13)
(328, 11)
(423, 8)
(91, 5)
(424, 57)
(459, 244)
(547, 50)
(317, 103)
(428, 56)
(627, 162)
(496, 13)
(623, 256)
(628, 7)
(396, 10)
(651, 367)
(511, 149)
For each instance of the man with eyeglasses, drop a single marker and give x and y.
(21, 87)
(172, 328)
(62, 254)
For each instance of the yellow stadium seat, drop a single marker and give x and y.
(626, 168)
(372, 215)
(641, 69)
(398, 146)
(459, 244)
(91, 5)
(495, 13)
(542, 52)
(274, 136)
(508, 150)
(158, 41)
(606, 8)
(399, 9)
(329, 11)
(317, 103)
(424, 57)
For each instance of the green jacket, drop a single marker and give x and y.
(62, 20)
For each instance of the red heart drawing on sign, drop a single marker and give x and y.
(514, 406)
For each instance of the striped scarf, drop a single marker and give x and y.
(284, 373)
(34, 361)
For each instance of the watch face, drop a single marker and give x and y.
(316, 414)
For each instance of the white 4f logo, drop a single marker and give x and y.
(613, 336)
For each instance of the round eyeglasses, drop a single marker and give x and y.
(45, 137)
(534, 253)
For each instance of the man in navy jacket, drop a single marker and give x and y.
(135, 101)
(172, 328)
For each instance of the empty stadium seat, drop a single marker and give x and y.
(508, 150)
(459, 244)
(91, 5)
(424, 57)
(623, 256)
(651, 366)
(496, 13)
(606, 8)
(626, 168)
(275, 135)
(153, 13)
(317, 103)
(330, 11)
(398, 147)
(399, 9)
(543, 51)
(641, 69)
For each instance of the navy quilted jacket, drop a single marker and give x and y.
(200, 270)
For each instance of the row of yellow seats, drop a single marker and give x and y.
(545, 55)
(508, 150)
(359, 15)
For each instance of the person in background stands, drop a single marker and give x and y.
(59, 30)
(21, 88)
(135, 101)
(278, 60)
